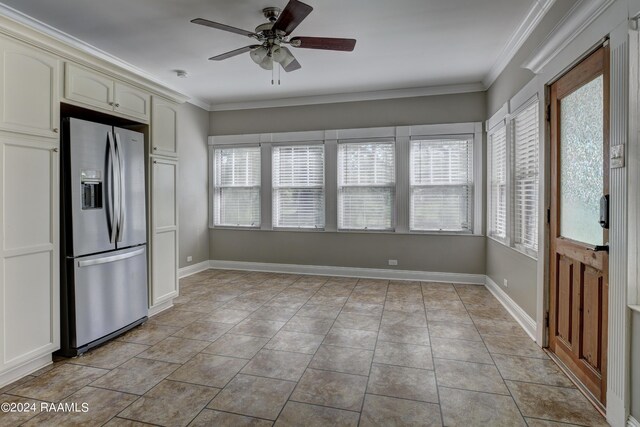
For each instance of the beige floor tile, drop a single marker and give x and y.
(203, 330)
(170, 403)
(319, 311)
(110, 355)
(208, 369)
(209, 418)
(363, 308)
(469, 376)
(500, 327)
(148, 333)
(309, 325)
(121, 422)
(279, 314)
(278, 364)
(404, 334)
(450, 316)
(467, 351)
(402, 318)
(101, 405)
(334, 389)
(257, 328)
(297, 414)
(458, 331)
(412, 306)
(334, 301)
(253, 396)
(514, 346)
(532, 370)
(357, 321)
(16, 418)
(136, 376)
(533, 422)
(470, 408)
(175, 317)
(355, 338)
(444, 304)
(403, 383)
(224, 315)
(16, 383)
(243, 346)
(488, 312)
(409, 355)
(58, 383)
(342, 359)
(298, 342)
(388, 411)
(555, 403)
(174, 350)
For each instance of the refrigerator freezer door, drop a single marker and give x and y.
(132, 229)
(110, 292)
(91, 180)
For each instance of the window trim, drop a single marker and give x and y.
(506, 240)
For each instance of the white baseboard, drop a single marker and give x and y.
(368, 273)
(159, 308)
(24, 370)
(618, 410)
(526, 321)
(632, 422)
(193, 269)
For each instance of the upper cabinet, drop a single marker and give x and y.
(97, 90)
(29, 99)
(164, 127)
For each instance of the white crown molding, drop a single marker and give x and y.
(200, 103)
(351, 97)
(77, 45)
(538, 10)
(526, 321)
(576, 20)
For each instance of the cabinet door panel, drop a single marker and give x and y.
(164, 127)
(132, 101)
(29, 90)
(164, 194)
(164, 261)
(88, 87)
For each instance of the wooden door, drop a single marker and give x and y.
(579, 259)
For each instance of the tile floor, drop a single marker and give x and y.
(262, 348)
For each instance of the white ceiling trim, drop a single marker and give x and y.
(576, 20)
(517, 39)
(87, 48)
(352, 97)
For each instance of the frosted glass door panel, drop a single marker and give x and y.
(581, 159)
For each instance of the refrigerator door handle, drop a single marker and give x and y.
(111, 258)
(113, 211)
(121, 186)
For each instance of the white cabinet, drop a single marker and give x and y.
(29, 259)
(164, 127)
(96, 90)
(164, 231)
(29, 99)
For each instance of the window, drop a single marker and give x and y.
(237, 186)
(441, 185)
(498, 189)
(366, 185)
(525, 178)
(298, 186)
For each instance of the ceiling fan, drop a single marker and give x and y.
(274, 35)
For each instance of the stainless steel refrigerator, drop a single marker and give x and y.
(104, 265)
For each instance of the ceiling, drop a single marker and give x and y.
(401, 44)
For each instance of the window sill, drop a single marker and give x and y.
(391, 233)
(634, 307)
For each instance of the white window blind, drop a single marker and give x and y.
(526, 178)
(237, 186)
(366, 185)
(441, 185)
(298, 186)
(498, 189)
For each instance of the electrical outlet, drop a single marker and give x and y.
(189, 258)
(506, 283)
(393, 262)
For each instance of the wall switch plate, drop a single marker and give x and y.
(393, 262)
(506, 283)
(189, 258)
(616, 156)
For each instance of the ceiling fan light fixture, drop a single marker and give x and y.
(259, 55)
(267, 63)
(283, 56)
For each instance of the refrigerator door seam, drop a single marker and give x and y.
(112, 188)
(121, 191)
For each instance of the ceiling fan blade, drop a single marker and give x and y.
(293, 14)
(233, 53)
(325, 43)
(222, 27)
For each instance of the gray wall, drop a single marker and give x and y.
(635, 365)
(457, 254)
(193, 126)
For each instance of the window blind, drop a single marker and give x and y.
(237, 186)
(441, 185)
(498, 189)
(298, 186)
(526, 177)
(366, 185)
